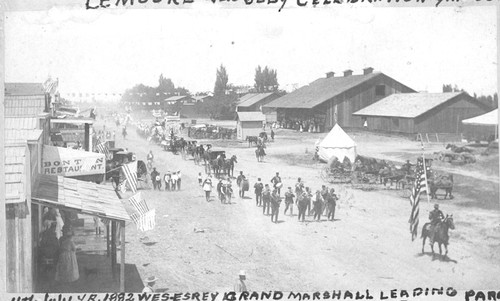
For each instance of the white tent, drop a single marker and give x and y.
(337, 143)
(490, 118)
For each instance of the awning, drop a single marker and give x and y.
(69, 162)
(85, 197)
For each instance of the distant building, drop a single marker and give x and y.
(332, 99)
(413, 113)
(253, 102)
(482, 128)
(249, 124)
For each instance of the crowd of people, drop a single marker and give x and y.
(310, 125)
(57, 246)
(268, 196)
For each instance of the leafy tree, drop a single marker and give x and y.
(266, 80)
(221, 81)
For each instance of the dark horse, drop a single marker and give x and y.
(440, 234)
(229, 166)
(260, 153)
(444, 182)
(252, 140)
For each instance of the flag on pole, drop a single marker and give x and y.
(129, 172)
(102, 147)
(139, 203)
(419, 186)
(145, 222)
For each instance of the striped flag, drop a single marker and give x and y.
(102, 147)
(419, 187)
(146, 221)
(139, 203)
(129, 172)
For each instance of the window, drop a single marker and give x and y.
(395, 121)
(380, 90)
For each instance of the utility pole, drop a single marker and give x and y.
(3, 225)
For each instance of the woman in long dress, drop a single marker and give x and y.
(59, 224)
(67, 265)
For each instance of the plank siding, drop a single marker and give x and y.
(358, 98)
(447, 119)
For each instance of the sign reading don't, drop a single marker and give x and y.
(68, 162)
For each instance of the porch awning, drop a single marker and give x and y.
(85, 197)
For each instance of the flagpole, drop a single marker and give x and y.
(425, 173)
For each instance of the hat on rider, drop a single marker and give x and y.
(258, 179)
(436, 206)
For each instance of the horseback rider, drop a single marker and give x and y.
(407, 166)
(436, 216)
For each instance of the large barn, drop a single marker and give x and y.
(332, 99)
(414, 113)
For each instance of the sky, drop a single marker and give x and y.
(108, 51)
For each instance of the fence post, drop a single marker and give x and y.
(437, 137)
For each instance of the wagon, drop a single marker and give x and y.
(335, 175)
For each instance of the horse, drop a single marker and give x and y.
(252, 140)
(456, 149)
(229, 165)
(441, 182)
(260, 153)
(440, 234)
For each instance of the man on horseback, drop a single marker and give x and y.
(436, 216)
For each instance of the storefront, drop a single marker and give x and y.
(75, 199)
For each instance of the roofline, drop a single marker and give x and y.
(376, 75)
(468, 97)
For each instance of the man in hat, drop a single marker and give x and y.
(276, 180)
(154, 174)
(331, 203)
(275, 206)
(266, 199)
(239, 182)
(178, 180)
(149, 286)
(258, 192)
(219, 190)
(240, 286)
(436, 216)
(289, 200)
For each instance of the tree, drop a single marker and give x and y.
(221, 81)
(266, 80)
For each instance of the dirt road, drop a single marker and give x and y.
(367, 246)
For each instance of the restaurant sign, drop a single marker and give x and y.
(69, 162)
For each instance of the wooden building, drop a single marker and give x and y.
(253, 102)
(332, 99)
(414, 113)
(249, 124)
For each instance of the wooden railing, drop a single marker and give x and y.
(439, 137)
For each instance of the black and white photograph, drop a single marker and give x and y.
(349, 151)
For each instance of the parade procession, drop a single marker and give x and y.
(184, 162)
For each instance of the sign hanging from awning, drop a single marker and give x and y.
(69, 162)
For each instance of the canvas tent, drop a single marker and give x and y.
(482, 127)
(337, 143)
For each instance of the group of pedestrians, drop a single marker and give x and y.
(323, 202)
(171, 180)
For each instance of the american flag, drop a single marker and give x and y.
(146, 221)
(419, 187)
(129, 173)
(102, 147)
(139, 203)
